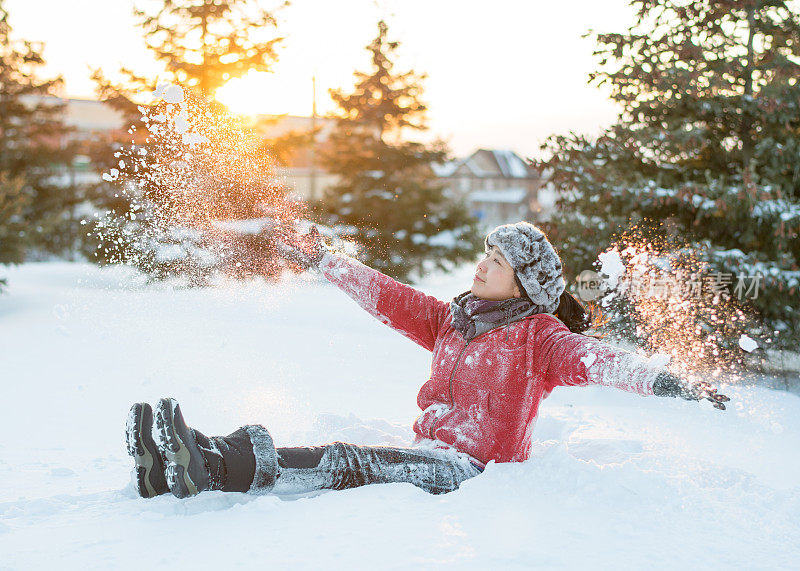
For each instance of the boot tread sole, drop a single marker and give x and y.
(142, 454)
(179, 457)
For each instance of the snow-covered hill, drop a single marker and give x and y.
(616, 481)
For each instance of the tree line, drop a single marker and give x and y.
(705, 151)
(395, 203)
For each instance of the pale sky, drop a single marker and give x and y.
(501, 73)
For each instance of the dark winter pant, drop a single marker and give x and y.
(249, 462)
(339, 466)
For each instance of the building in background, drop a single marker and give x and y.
(498, 186)
(301, 172)
(90, 117)
(88, 121)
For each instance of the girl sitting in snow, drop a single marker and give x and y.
(498, 350)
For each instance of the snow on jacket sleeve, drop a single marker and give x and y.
(573, 359)
(418, 316)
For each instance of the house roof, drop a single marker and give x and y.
(489, 163)
(511, 165)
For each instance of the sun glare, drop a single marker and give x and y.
(258, 93)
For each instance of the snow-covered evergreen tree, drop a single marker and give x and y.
(707, 147)
(388, 198)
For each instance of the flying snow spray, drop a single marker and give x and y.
(671, 302)
(195, 192)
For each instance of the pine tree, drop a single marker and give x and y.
(35, 200)
(705, 150)
(388, 199)
(202, 46)
(13, 201)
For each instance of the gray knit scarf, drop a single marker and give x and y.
(473, 316)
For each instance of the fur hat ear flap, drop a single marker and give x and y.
(536, 263)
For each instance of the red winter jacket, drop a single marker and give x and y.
(483, 395)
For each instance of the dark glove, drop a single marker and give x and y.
(668, 385)
(305, 250)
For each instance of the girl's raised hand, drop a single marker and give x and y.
(668, 385)
(305, 250)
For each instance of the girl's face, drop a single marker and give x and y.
(494, 278)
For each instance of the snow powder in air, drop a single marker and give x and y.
(658, 360)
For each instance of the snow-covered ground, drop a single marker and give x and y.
(616, 480)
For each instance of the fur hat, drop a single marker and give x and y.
(536, 263)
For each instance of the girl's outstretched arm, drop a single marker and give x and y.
(418, 316)
(573, 359)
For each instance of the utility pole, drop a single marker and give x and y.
(313, 149)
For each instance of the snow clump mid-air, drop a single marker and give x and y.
(611, 266)
(169, 93)
(747, 344)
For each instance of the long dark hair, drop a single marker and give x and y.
(575, 316)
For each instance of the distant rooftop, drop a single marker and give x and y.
(488, 163)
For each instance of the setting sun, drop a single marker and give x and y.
(259, 93)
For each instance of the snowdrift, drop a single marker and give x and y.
(615, 481)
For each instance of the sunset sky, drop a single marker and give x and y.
(501, 73)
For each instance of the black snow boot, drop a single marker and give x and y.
(240, 462)
(150, 480)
